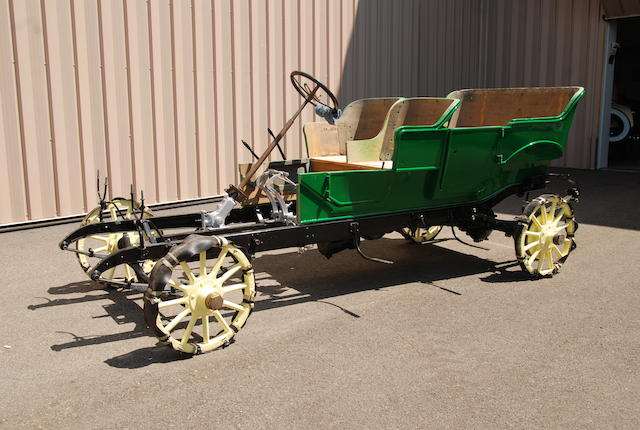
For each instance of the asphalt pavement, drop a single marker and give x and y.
(449, 337)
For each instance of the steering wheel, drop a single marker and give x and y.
(301, 80)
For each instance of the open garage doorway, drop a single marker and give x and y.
(624, 127)
(619, 139)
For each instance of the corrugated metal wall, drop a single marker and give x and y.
(433, 47)
(159, 93)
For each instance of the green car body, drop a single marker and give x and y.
(436, 166)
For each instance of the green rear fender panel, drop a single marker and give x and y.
(538, 139)
(540, 150)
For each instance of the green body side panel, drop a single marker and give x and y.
(436, 167)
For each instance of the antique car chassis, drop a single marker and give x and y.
(256, 216)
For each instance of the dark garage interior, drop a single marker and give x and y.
(624, 143)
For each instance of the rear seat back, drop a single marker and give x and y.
(498, 106)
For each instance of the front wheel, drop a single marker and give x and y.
(200, 294)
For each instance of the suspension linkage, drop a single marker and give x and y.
(354, 227)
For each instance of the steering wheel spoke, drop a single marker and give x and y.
(301, 82)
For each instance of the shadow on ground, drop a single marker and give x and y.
(607, 198)
(298, 278)
(287, 279)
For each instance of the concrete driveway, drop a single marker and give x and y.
(448, 337)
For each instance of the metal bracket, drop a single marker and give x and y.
(279, 207)
(354, 228)
(217, 218)
(573, 191)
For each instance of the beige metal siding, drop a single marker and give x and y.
(159, 93)
(493, 43)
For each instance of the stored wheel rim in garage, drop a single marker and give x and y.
(195, 302)
(546, 237)
(620, 125)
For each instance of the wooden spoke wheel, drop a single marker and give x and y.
(108, 243)
(421, 235)
(197, 303)
(546, 237)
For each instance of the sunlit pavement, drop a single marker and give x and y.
(448, 337)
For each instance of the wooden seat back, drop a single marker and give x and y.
(412, 112)
(361, 119)
(498, 106)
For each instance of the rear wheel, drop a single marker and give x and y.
(197, 303)
(421, 235)
(546, 236)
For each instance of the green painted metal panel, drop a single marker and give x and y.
(439, 167)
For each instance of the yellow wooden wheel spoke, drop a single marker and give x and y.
(216, 267)
(233, 287)
(111, 273)
(557, 219)
(173, 302)
(100, 249)
(533, 257)
(232, 305)
(218, 316)
(187, 271)
(229, 273)
(557, 250)
(176, 320)
(114, 213)
(188, 330)
(543, 214)
(540, 261)
(532, 233)
(531, 245)
(100, 238)
(536, 221)
(549, 257)
(203, 264)
(552, 210)
(205, 329)
(128, 272)
(179, 286)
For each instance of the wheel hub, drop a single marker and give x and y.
(549, 236)
(204, 297)
(214, 301)
(559, 239)
(112, 244)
